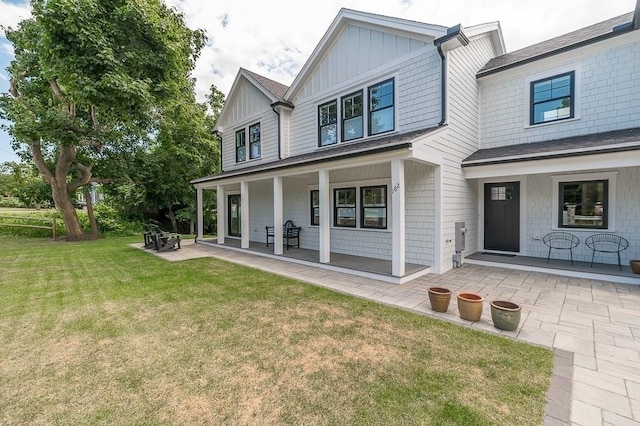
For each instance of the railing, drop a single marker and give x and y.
(51, 227)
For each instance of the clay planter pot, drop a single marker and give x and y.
(505, 315)
(635, 266)
(470, 306)
(439, 298)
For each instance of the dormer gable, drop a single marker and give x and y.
(369, 39)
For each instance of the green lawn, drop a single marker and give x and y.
(100, 333)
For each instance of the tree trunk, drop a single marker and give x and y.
(172, 217)
(92, 218)
(67, 210)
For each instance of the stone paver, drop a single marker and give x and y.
(593, 326)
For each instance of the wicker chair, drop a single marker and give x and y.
(561, 241)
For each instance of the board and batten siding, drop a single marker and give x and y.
(608, 92)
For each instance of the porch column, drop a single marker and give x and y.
(199, 220)
(325, 216)
(278, 216)
(221, 213)
(244, 214)
(397, 214)
(437, 244)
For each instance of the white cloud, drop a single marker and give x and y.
(12, 14)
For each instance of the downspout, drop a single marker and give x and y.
(219, 136)
(443, 86)
(273, 107)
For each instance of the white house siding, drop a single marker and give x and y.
(459, 195)
(539, 203)
(417, 88)
(419, 213)
(249, 107)
(609, 94)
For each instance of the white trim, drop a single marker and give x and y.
(585, 177)
(245, 228)
(199, 218)
(398, 223)
(324, 235)
(277, 215)
(221, 219)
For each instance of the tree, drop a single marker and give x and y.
(91, 79)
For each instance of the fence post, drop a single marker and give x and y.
(53, 227)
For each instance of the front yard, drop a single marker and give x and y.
(100, 333)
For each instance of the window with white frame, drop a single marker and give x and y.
(583, 204)
(254, 141)
(241, 142)
(552, 99)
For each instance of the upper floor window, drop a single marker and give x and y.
(373, 202)
(254, 141)
(328, 123)
(553, 98)
(584, 204)
(345, 207)
(352, 116)
(381, 111)
(241, 142)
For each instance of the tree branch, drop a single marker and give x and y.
(13, 83)
(94, 118)
(69, 107)
(36, 150)
(85, 171)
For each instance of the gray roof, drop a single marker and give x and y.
(336, 152)
(276, 89)
(554, 46)
(595, 143)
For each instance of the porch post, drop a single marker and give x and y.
(221, 213)
(398, 215)
(437, 244)
(199, 220)
(325, 216)
(278, 216)
(244, 214)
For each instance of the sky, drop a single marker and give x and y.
(275, 38)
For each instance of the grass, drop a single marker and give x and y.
(100, 333)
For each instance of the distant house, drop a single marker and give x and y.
(398, 136)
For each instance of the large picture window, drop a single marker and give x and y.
(315, 207)
(373, 202)
(328, 123)
(345, 207)
(552, 99)
(381, 108)
(254, 141)
(352, 116)
(583, 204)
(241, 142)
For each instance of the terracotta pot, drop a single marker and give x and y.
(439, 298)
(470, 306)
(635, 266)
(505, 315)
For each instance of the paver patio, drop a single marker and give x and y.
(593, 326)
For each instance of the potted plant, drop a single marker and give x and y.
(470, 306)
(439, 298)
(505, 315)
(635, 266)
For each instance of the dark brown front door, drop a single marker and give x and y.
(502, 216)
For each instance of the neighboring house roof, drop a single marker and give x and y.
(573, 40)
(595, 143)
(344, 150)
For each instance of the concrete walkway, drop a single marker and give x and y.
(593, 326)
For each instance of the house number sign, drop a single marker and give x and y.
(396, 188)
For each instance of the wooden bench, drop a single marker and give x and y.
(290, 232)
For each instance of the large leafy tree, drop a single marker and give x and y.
(90, 81)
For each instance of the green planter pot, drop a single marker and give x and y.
(439, 298)
(505, 315)
(470, 306)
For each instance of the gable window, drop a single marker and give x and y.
(553, 99)
(345, 207)
(373, 202)
(254, 141)
(241, 141)
(583, 204)
(352, 116)
(315, 207)
(328, 123)
(381, 112)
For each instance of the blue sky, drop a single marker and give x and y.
(275, 38)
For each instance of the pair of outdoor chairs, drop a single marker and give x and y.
(601, 243)
(290, 234)
(159, 240)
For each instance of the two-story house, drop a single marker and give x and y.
(402, 147)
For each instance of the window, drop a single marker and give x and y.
(254, 141)
(328, 123)
(552, 99)
(352, 116)
(345, 207)
(583, 204)
(241, 154)
(373, 201)
(381, 117)
(315, 207)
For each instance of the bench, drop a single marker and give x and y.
(290, 232)
(159, 240)
(561, 241)
(606, 243)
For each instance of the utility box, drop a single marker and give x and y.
(461, 231)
